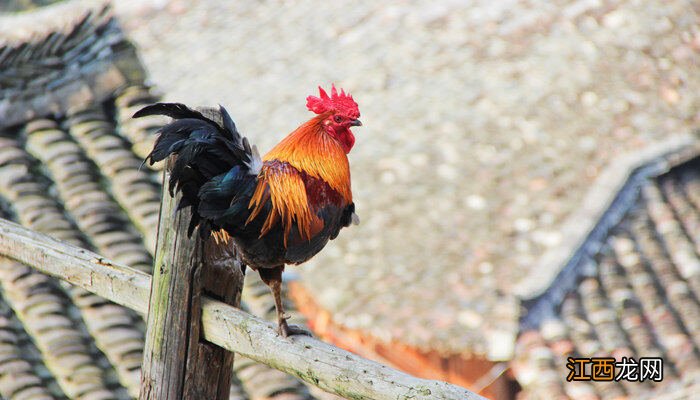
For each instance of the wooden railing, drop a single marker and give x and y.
(223, 325)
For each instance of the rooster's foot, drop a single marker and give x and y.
(287, 330)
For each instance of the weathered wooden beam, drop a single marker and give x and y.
(328, 367)
(123, 285)
(177, 364)
(315, 362)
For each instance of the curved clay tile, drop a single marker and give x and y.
(133, 187)
(669, 330)
(681, 202)
(674, 287)
(94, 210)
(598, 309)
(237, 392)
(140, 132)
(45, 312)
(555, 332)
(114, 328)
(535, 370)
(20, 371)
(680, 247)
(587, 342)
(602, 316)
(628, 306)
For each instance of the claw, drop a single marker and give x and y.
(273, 279)
(286, 330)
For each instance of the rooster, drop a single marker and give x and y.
(280, 209)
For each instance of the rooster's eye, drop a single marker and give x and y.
(337, 119)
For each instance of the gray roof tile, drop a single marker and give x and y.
(635, 297)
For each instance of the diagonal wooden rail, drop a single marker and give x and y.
(318, 363)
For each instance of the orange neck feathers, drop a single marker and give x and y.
(312, 150)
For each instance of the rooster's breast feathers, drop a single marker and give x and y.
(306, 181)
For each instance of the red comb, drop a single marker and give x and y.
(340, 103)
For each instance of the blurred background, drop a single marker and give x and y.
(485, 126)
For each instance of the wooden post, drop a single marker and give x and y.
(178, 363)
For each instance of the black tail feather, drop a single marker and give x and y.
(172, 110)
(207, 144)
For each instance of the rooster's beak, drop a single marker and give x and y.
(355, 122)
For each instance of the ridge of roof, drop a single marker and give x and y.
(606, 203)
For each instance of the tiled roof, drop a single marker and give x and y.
(484, 124)
(52, 71)
(637, 295)
(70, 167)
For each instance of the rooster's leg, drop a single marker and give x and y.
(273, 278)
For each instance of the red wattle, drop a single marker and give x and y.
(347, 140)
